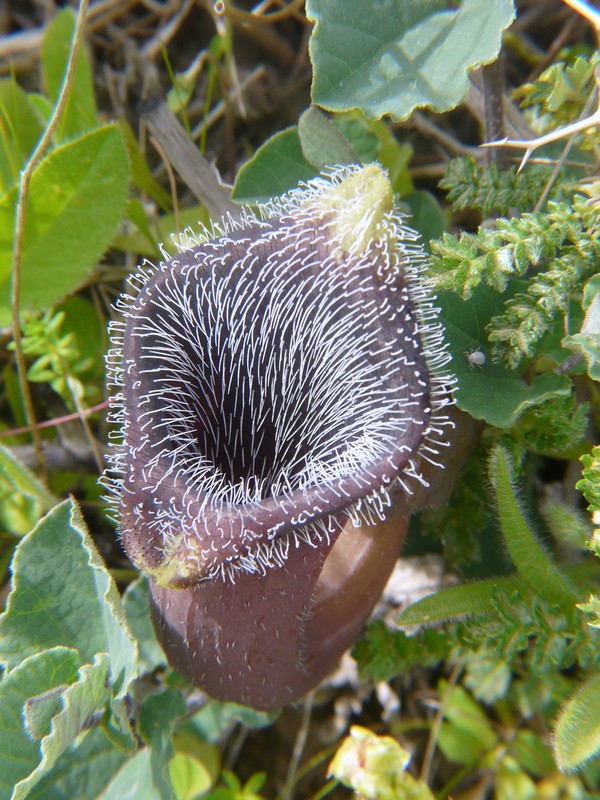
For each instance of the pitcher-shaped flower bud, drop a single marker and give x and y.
(278, 383)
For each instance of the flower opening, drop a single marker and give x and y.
(273, 381)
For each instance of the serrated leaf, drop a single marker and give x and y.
(382, 654)
(63, 595)
(577, 733)
(20, 130)
(489, 392)
(79, 701)
(76, 203)
(42, 672)
(276, 167)
(587, 341)
(80, 113)
(390, 57)
(457, 601)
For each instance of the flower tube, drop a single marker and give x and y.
(278, 382)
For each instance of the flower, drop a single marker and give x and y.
(277, 381)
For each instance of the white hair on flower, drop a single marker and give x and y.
(281, 373)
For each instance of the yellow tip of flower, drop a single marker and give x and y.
(360, 204)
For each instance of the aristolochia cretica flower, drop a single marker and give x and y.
(278, 381)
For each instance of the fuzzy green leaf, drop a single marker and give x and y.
(82, 772)
(80, 113)
(76, 203)
(457, 601)
(390, 58)
(577, 734)
(533, 563)
(87, 695)
(63, 595)
(42, 672)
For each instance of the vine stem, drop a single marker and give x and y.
(21, 214)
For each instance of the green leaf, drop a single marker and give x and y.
(145, 242)
(276, 167)
(213, 721)
(425, 215)
(382, 654)
(82, 772)
(467, 733)
(158, 714)
(63, 595)
(457, 601)
(390, 57)
(533, 563)
(134, 780)
(532, 753)
(297, 154)
(20, 131)
(587, 341)
(80, 113)
(490, 392)
(79, 701)
(25, 482)
(321, 142)
(76, 203)
(39, 711)
(42, 672)
(136, 602)
(189, 777)
(141, 174)
(577, 734)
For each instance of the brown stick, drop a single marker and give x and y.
(197, 173)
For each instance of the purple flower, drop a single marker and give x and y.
(278, 381)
